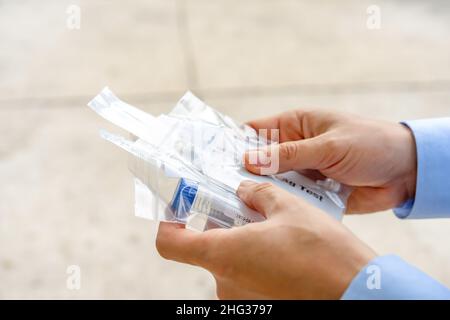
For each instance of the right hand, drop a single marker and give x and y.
(377, 158)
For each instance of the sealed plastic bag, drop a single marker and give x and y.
(187, 164)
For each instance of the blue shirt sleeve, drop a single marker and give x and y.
(391, 278)
(432, 199)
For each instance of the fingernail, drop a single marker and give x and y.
(256, 158)
(251, 158)
(243, 188)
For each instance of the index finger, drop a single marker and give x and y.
(297, 124)
(272, 122)
(288, 124)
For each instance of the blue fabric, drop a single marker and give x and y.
(432, 198)
(398, 279)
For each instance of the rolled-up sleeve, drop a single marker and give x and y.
(432, 198)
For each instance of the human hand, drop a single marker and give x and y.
(297, 252)
(378, 158)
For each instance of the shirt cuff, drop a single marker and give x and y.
(391, 278)
(432, 200)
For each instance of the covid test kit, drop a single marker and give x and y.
(187, 164)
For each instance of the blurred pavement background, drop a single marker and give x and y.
(66, 197)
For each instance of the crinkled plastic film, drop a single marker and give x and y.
(187, 165)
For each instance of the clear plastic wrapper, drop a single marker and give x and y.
(187, 165)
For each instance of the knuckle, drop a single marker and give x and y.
(328, 117)
(317, 115)
(312, 114)
(268, 192)
(332, 144)
(289, 151)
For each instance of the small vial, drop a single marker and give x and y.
(191, 198)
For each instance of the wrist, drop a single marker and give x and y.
(410, 161)
(354, 266)
(348, 256)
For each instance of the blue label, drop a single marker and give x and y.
(183, 198)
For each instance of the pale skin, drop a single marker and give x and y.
(299, 251)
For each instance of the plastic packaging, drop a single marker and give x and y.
(191, 199)
(187, 164)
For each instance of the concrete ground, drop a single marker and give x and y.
(66, 197)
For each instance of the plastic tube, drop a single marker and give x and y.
(209, 207)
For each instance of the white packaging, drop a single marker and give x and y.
(197, 145)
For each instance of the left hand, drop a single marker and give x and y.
(298, 252)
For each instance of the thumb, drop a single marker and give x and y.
(291, 155)
(265, 198)
(175, 242)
